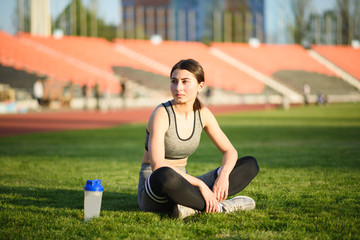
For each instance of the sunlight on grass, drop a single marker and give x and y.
(307, 187)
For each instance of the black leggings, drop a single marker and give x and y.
(166, 183)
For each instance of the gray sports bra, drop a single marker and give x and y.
(175, 146)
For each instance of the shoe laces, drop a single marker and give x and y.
(232, 205)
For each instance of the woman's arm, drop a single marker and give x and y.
(230, 155)
(157, 126)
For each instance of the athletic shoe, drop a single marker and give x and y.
(182, 212)
(239, 203)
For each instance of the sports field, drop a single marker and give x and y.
(307, 187)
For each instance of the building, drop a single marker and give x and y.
(194, 20)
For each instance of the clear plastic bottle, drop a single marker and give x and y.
(92, 198)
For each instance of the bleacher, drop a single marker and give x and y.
(85, 60)
(318, 83)
(345, 57)
(289, 65)
(90, 56)
(269, 59)
(19, 79)
(22, 56)
(218, 73)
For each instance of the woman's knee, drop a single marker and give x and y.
(165, 177)
(250, 163)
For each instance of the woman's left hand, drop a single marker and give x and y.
(221, 188)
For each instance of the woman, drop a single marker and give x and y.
(172, 135)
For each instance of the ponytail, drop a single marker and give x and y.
(197, 104)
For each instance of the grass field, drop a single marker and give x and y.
(307, 188)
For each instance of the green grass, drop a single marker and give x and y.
(307, 188)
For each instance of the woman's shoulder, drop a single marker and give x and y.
(159, 115)
(159, 110)
(206, 115)
(205, 111)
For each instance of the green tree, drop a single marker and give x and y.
(349, 17)
(300, 9)
(78, 20)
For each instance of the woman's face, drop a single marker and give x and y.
(184, 86)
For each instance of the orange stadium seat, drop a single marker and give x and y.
(37, 55)
(86, 60)
(345, 57)
(269, 59)
(217, 73)
(94, 53)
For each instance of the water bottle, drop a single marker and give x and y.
(92, 198)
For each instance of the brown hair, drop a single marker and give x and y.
(195, 68)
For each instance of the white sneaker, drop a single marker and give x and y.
(239, 203)
(182, 212)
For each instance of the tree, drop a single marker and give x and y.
(78, 20)
(301, 11)
(348, 13)
(21, 17)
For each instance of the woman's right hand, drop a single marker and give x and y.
(209, 197)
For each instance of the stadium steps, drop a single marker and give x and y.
(87, 68)
(24, 54)
(149, 79)
(286, 91)
(230, 68)
(18, 79)
(267, 61)
(151, 64)
(269, 58)
(319, 83)
(162, 57)
(154, 86)
(341, 60)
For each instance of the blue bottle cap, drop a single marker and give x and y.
(94, 186)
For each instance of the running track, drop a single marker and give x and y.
(15, 124)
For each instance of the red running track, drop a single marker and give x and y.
(15, 124)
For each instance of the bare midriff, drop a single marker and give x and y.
(174, 163)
